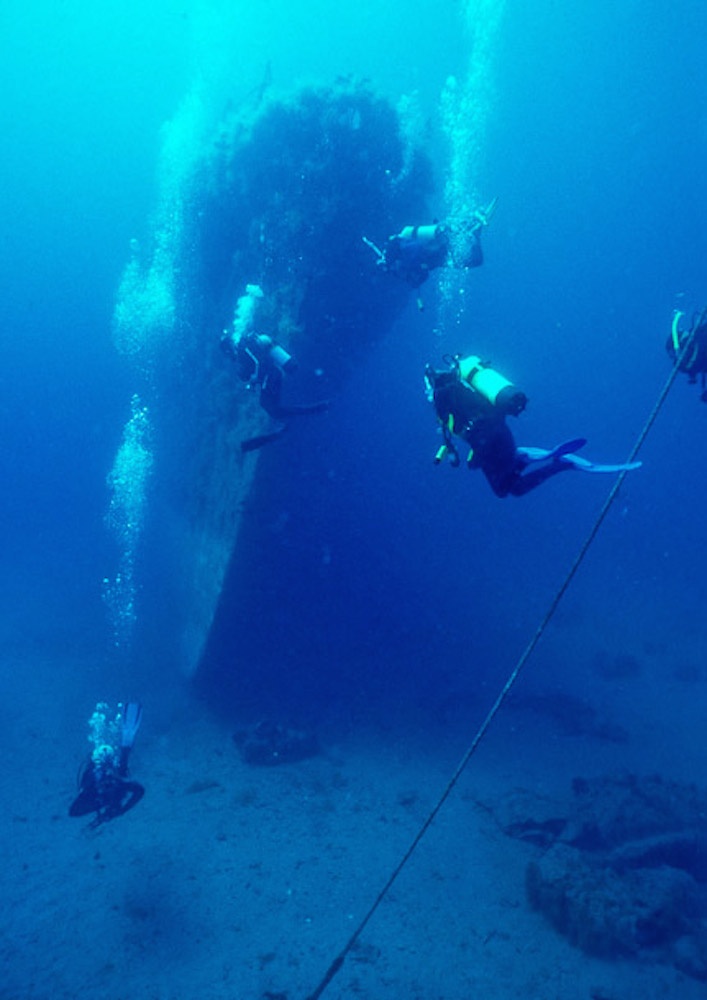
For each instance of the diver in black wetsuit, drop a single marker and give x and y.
(416, 251)
(262, 362)
(104, 787)
(472, 402)
(694, 361)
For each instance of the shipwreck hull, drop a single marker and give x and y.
(280, 196)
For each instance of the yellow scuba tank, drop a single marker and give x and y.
(502, 394)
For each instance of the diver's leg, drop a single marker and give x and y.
(496, 454)
(530, 476)
(270, 393)
(271, 401)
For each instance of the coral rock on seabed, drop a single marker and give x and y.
(269, 743)
(624, 868)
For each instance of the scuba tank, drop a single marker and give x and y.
(425, 234)
(276, 353)
(258, 351)
(264, 348)
(500, 393)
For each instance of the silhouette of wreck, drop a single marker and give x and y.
(279, 196)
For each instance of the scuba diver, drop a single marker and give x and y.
(262, 362)
(417, 250)
(104, 787)
(472, 401)
(690, 346)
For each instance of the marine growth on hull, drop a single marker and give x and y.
(277, 196)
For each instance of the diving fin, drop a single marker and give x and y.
(584, 466)
(545, 454)
(565, 454)
(132, 717)
(252, 444)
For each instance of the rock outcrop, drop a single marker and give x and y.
(622, 870)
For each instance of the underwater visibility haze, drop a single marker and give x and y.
(234, 577)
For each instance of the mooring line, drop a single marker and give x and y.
(338, 962)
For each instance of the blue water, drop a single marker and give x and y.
(405, 591)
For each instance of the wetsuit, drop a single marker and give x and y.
(493, 449)
(106, 791)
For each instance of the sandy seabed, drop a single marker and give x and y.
(232, 882)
